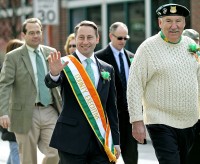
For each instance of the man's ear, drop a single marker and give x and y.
(97, 40)
(22, 35)
(110, 36)
(159, 22)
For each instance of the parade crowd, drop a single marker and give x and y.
(91, 107)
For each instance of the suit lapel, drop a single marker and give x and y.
(76, 56)
(44, 52)
(111, 59)
(27, 61)
(127, 58)
(100, 68)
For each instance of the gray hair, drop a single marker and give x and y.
(115, 25)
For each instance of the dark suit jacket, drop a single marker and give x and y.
(73, 133)
(108, 56)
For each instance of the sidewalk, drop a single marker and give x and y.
(146, 154)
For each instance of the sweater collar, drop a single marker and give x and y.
(166, 39)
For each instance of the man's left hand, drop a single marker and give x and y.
(118, 151)
(5, 121)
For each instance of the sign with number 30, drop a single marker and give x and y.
(47, 11)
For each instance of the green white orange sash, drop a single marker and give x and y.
(90, 103)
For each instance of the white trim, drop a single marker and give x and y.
(80, 3)
(104, 13)
(148, 19)
(23, 4)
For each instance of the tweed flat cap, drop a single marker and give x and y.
(172, 9)
(191, 33)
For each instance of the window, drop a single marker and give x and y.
(136, 25)
(132, 14)
(89, 13)
(155, 4)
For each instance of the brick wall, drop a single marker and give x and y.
(195, 15)
(59, 33)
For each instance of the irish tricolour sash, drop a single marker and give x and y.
(90, 103)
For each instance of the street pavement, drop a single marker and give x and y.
(146, 153)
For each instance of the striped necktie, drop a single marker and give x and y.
(44, 93)
(123, 78)
(89, 70)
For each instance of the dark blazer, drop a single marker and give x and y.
(108, 56)
(73, 133)
(128, 145)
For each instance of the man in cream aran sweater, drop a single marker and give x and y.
(164, 79)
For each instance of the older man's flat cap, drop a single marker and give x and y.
(191, 33)
(172, 9)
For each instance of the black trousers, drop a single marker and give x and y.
(128, 144)
(93, 155)
(171, 144)
(194, 154)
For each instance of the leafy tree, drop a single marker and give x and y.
(9, 19)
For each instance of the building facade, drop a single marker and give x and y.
(138, 15)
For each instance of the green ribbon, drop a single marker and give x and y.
(166, 40)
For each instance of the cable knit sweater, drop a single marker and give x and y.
(164, 79)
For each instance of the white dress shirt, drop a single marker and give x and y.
(94, 66)
(32, 56)
(116, 55)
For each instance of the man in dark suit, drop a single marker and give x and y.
(76, 135)
(23, 107)
(111, 54)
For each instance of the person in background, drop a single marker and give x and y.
(194, 152)
(193, 35)
(111, 54)
(13, 157)
(27, 107)
(70, 45)
(87, 129)
(163, 88)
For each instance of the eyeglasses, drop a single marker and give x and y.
(72, 45)
(120, 37)
(33, 33)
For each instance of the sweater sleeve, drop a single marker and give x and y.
(136, 84)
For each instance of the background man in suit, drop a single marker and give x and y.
(111, 54)
(73, 136)
(32, 116)
(193, 34)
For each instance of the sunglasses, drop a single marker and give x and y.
(120, 37)
(72, 45)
